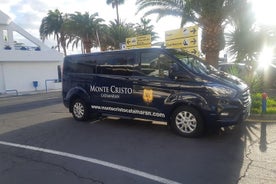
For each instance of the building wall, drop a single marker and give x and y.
(20, 75)
(2, 79)
(21, 64)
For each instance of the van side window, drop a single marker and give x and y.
(116, 64)
(155, 64)
(195, 65)
(80, 65)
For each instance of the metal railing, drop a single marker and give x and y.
(12, 90)
(50, 80)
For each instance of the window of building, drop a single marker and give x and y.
(6, 39)
(5, 35)
(23, 43)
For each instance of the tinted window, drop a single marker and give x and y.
(193, 63)
(154, 64)
(80, 64)
(116, 64)
(112, 64)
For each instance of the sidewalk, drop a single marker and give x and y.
(38, 92)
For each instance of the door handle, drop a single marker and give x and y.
(140, 80)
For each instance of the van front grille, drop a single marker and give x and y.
(245, 98)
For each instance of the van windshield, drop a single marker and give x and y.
(193, 63)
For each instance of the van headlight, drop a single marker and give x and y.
(222, 91)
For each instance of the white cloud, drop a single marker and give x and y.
(29, 13)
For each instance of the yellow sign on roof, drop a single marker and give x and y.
(143, 41)
(192, 50)
(139, 46)
(182, 42)
(131, 41)
(187, 32)
(184, 38)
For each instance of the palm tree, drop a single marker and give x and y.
(210, 15)
(270, 35)
(144, 28)
(105, 38)
(239, 40)
(115, 4)
(84, 28)
(52, 24)
(118, 32)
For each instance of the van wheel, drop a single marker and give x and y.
(80, 110)
(186, 121)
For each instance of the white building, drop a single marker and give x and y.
(26, 64)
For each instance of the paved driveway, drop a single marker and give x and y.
(41, 143)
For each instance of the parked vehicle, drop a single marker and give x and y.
(157, 84)
(242, 71)
(238, 69)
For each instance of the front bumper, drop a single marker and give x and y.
(227, 113)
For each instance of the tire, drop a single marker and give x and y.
(80, 110)
(186, 121)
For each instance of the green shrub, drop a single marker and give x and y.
(257, 104)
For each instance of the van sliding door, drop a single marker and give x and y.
(113, 87)
(152, 85)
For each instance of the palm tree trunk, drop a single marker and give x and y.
(212, 41)
(117, 12)
(212, 58)
(63, 44)
(98, 39)
(87, 46)
(58, 42)
(82, 47)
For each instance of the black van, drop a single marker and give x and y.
(157, 84)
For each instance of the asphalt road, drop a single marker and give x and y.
(41, 143)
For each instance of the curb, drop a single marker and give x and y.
(266, 118)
